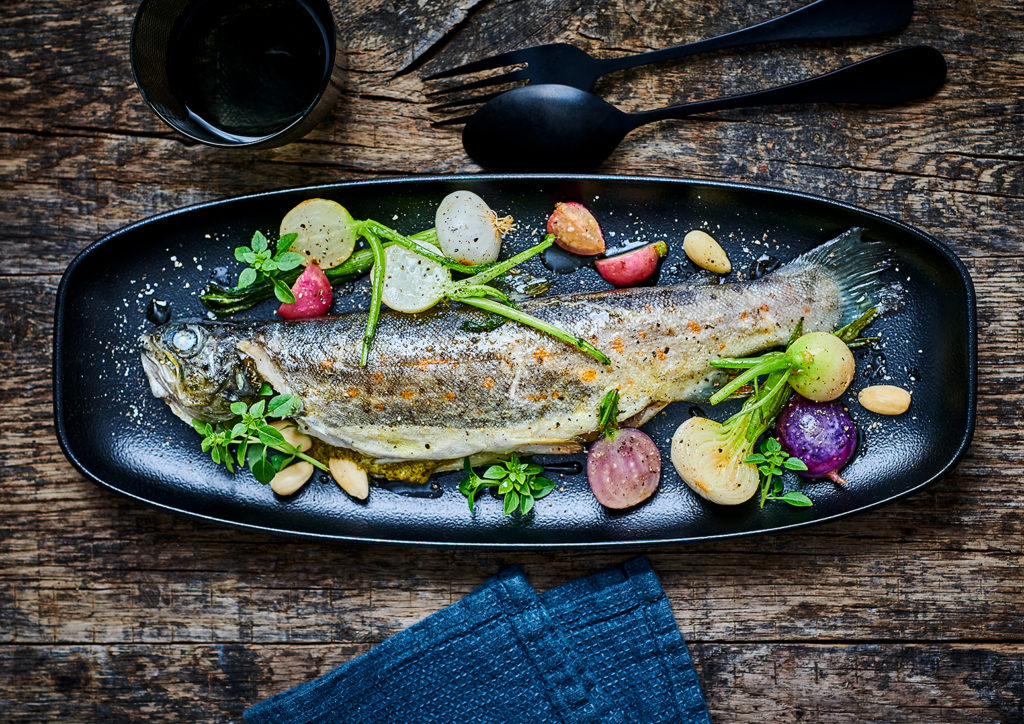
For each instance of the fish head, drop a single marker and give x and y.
(195, 367)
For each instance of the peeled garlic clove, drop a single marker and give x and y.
(350, 477)
(705, 252)
(884, 399)
(292, 478)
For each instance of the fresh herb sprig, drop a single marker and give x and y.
(252, 437)
(520, 482)
(770, 463)
(265, 264)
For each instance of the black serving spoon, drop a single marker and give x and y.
(551, 127)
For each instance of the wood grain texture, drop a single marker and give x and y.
(110, 611)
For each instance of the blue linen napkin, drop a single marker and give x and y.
(600, 649)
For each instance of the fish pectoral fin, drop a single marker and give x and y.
(566, 448)
(644, 415)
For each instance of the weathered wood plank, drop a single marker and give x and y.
(869, 683)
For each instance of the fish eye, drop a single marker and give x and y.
(186, 341)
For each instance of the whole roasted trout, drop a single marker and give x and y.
(433, 392)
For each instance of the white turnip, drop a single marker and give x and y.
(467, 230)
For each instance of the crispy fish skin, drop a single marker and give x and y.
(432, 391)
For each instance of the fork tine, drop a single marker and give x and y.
(495, 61)
(464, 102)
(451, 121)
(482, 83)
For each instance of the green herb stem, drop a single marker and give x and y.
(377, 293)
(500, 268)
(287, 449)
(608, 414)
(851, 332)
(478, 291)
(529, 320)
(413, 243)
(765, 364)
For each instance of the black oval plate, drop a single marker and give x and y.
(114, 431)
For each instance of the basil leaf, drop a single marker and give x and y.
(547, 488)
(798, 500)
(288, 261)
(255, 453)
(270, 436)
(285, 242)
(282, 292)
(247, 277)
(263, 470)
(795, 464)
(284, 405)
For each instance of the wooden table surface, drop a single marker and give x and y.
(112, 611)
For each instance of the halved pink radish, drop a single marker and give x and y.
(312, 292)
(633, 267)
(623, 470)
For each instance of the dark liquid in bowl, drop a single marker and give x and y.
(248, 68)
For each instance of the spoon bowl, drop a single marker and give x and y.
(544, 127)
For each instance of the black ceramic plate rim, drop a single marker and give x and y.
(942, 249)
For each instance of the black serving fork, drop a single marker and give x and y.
(568, 65)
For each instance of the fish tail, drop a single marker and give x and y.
(858, 267)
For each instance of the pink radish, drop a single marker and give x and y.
(633, 267)
(623, 465)
(576, 229)
(312, 291)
